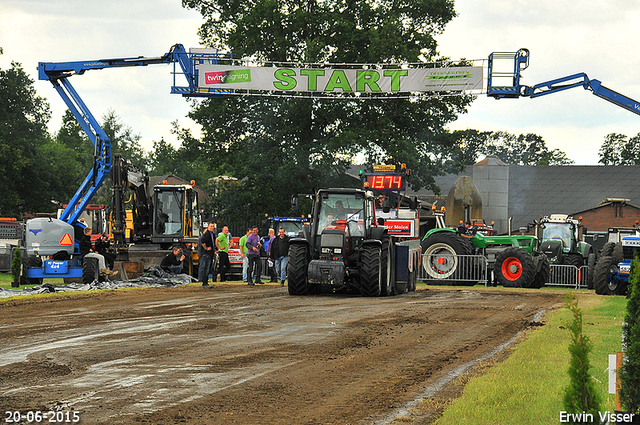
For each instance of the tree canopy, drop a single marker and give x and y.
(281, 146)
(619, 149)
(524, 149)
(24, 169)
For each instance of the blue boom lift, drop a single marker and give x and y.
(59, 238)
(513, 89)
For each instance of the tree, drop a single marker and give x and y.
(25, 172)
(123, 139)
(630, 372)
(74, 155)
(282, 146)
(580, 396)
(525, 149)
(618, 149)
(164, 159)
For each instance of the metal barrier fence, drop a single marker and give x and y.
(564, 275)
(450, 269)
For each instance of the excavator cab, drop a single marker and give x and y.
(175, 215)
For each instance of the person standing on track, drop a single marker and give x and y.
(206, 252)
(243, 253)
(253, 253)
(279, 252)
(223, 243)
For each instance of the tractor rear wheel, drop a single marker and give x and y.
(602, 281)
(440, 259)
(297, 280)
(514, 268)
(371, 271)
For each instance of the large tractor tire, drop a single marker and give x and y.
(612, 249)
(440, 257)
(514, 268)
(90, 272)
(387, 285)
(602, 281)
(576, 261)
(297, 279)
(543, 271)
(573, 260)
(371, 271)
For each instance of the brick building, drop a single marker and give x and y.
(611, 212)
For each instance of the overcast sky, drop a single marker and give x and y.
(564, 37)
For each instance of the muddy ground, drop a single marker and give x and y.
(238, 355)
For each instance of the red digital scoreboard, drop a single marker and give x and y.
(385, 181)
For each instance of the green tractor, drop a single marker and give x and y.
(448, 257)
(560, 242)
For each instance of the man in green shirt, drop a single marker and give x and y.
(223, 245)
(243, 254)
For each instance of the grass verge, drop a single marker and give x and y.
(527, 387)
(6, 278)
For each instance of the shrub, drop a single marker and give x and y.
(630, 373)
(16, 265)
(580, 396)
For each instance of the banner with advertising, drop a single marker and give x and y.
(400, 227)
(339, 81)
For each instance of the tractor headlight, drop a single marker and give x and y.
(326, 250)
(337, 251)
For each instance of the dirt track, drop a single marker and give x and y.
(233, 354)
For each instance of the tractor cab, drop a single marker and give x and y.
(342, 217)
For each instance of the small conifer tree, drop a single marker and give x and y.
(630, 373)
(580, 396)
(16, 265)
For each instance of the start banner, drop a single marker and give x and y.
(336, 81)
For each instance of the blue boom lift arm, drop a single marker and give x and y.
(58, 74)
(520, 61)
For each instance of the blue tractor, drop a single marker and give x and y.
(611, 274)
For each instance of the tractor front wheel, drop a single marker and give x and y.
(371, 271)
(514, 268)
(543, 271)
(297, 280)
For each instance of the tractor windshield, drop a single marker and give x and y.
(291, 228)
(557, 231)
(339, 207)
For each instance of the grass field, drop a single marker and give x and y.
(527, 387)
